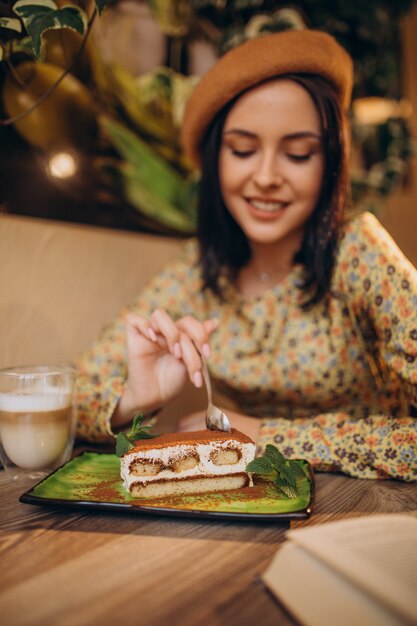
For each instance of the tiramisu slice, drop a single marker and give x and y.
(183, 463)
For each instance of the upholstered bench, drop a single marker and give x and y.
(60, 283)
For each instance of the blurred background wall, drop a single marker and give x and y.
(103, 148)
(400, 214)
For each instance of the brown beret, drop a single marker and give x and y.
(292, 51)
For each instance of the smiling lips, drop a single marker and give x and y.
(266, 209)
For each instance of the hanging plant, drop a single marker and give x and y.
(34, 18)
(140, 117)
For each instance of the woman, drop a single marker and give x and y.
(307, 318)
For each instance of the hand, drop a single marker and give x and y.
(161, 355)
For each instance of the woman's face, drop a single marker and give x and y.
(271, 162)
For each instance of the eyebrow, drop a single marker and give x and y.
(300, 135)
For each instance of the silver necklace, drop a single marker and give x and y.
(264, 277)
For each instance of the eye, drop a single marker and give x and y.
(241, 154)
(299, 157)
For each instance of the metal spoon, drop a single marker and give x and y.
(215, 418)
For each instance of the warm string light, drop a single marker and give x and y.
(62, 165)
(374, 111)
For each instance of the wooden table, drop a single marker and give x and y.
(61, 568)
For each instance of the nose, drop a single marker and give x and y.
(267, 172)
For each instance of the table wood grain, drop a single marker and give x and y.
(71, 568)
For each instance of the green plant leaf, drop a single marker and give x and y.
(144, 434)
(150, 184)
(137, 423)
(173, 16)
(38, 16)
(138, 431)
(123, 444)
(298, 469)
(101, 5)
(125, 441)
(46, 4)
(285, 488)
(290, 492)
(260, 466)
(12, 23)
(272, 453)
(287, 473)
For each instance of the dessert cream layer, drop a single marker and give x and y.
(177, 456)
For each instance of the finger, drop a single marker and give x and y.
(191, 359)
(163, 324)
(211, 325)
(141, 325)
(198, 332)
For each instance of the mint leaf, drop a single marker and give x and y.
(261, 466)
(298, 469)
(138, 431)
(125, 441)
(289, 477)
(144, 434)
(285, 488)
(275, 456)
(136, 425)
(288, 474)
(123, 444)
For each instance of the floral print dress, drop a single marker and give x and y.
(335, 384)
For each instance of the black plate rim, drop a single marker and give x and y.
(29, 498)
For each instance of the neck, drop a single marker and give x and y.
(275, 256)
(269, 265)
(263, 272)
(264, 260)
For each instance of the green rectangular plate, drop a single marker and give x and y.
(92, 480)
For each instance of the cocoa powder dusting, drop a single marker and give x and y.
(106, 491)
(191, 437)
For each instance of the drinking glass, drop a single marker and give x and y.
(37, 419)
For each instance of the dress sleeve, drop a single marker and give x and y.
(379, 285)
(101, 370)
(378, 446)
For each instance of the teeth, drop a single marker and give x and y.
(267, 206)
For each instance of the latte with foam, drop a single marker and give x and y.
(36, 429)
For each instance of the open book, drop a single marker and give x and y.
(359, 572)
